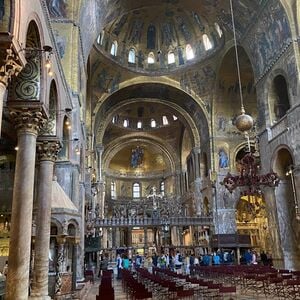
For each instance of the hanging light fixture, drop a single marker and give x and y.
(249, 179)
(244, 122)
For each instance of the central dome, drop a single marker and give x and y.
(159, 42)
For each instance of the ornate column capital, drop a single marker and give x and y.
(11, 67)
(27, 119)
(61, 240)
(99, 148)
(196, 150)
(48, 150)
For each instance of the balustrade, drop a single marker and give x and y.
(140, 221)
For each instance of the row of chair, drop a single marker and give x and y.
(255, 279)
(106, 290)
(133, 287)
(204, 288)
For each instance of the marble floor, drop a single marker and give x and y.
(120, 295)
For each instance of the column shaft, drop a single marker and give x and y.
(21, 219)
(40, 282)
(59, 265)
(47, 153)
(2, 94)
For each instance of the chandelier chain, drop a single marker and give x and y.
(237, 58)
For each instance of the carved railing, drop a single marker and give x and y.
(278, 128)
(149, 222)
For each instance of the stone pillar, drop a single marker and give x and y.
(118, 237)
(47, 152)
(59, 264)
(104, 238)
(273, 237)
(287, 225)
(27, 122)
(11, 67)
(145, 238)
(99, 149)
(74, 262)
(198, 196)
(129, 237)
(196, 152)
(114, 235)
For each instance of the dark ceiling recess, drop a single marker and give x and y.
(140, 112)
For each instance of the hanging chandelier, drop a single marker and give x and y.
(248, 177)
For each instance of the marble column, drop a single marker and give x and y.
(101, 184)
(145, 238)
(104, 238)
(75, 262)
(47, 152)
(99, 149)
(11, 67)
(196, 152)
(287, 225)
(27, 122)
(114, 236)
(118, 237)
(129, 237)
(198, 196)
(59, 264)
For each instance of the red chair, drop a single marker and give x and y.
(186, 294)
(89, 275)
(229, 291)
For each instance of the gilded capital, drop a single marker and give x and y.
(11, 67)
(61, 240)
(48, 150)
(27, 119)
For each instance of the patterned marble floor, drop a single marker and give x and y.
(120, 295)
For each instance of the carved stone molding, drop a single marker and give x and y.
(11, 67)
(29, 120)
(48, 150)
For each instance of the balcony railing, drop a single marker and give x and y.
(278, 128)
(149, 222)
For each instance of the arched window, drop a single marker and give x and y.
(189, 52)
(151, 58)
(174, 118)
(139, 124)
(100, 38)
(136, 190)
(153, 123)
(162, 188)
(171, 57)
(126, 123)
(281, 103)
(64, 152)
(206, 41)
(114, 48)
(165, 120)
(131, 56)
(113, 190)
(218, 29)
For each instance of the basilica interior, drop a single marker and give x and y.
(145, 127)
